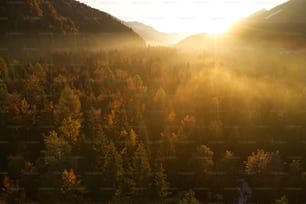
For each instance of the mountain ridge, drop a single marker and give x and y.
(283, 26)
(153, 36)
(57, 16)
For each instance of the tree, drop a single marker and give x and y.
(160, 97)
(263, 162)
(263, 169)
(11, 191)
(204, 157)
(71, 190)
(189, 198)
(112, 166)
(229, 164)
(33, 89)
(216, 128)
(141, 172)
(34, 9)
(141, 166)
(57, 149)
(69, 104)
(70, 129)
(160, 183)
(132, 138)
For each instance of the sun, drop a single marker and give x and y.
(221, 16)
(217, 16)
(218, 27)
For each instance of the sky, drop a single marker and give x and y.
(187, 16)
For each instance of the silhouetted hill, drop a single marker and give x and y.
(204, 41)
(195, 42)
(88, 19)
(154, 37)
(30, 16)
(56, 16)
(284, 24)
(60, 23)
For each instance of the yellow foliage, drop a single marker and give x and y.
(24, 105)
(188, 121)
(110, 118)
(171, 116)
(69, 180)
(116, 104)
(228, 154)
(159, 95)
(133, 137)
(70, 129)
(124, 133)
(69, 176)
(120, 74)
(173, 136)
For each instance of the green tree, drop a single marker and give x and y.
(189, 198)
(141, 173)
(160, 183)
(112, 166)
(57, 149)
(204, 158)
(69, 104)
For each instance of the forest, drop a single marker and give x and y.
(153, 125)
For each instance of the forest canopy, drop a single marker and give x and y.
(153, 125)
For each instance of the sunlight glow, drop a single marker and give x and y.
(172, 16)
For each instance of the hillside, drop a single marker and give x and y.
(33, 19)
(154, 37)
(284, 24)
(197, 42)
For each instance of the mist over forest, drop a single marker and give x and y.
(98, 116)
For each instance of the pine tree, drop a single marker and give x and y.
(160, 183)
(141, 172)
(112, 166)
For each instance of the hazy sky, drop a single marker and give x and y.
(189, 16)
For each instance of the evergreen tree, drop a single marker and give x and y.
(141, 172)
(160, 183)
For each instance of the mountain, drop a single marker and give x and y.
(154, 37)
(204, 41)
(38, 18)
(195, 42)
(284, 24)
